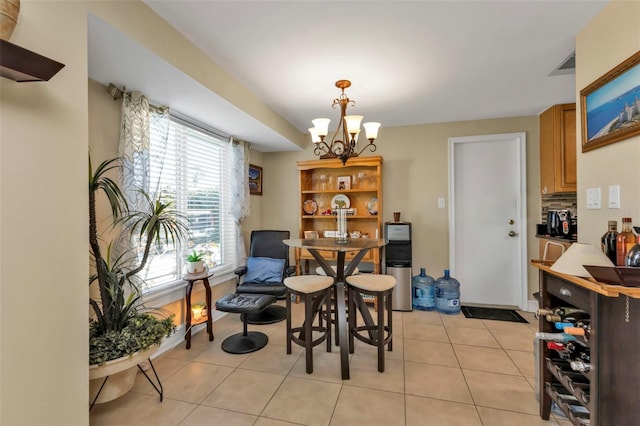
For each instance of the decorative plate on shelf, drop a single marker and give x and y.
(310, 207)
(372, 206)
(340, 201)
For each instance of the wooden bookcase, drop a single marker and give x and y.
(319, 186)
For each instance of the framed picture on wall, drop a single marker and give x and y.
(610, 106)
(255, 180)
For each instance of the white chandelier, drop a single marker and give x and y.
(349, 124)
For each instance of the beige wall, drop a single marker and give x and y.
(44, 226)
(415, 174)
(43, 172)
(44, 138)
(612, 37)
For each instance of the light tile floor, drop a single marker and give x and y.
(444, 370)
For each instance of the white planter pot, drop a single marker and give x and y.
(122, 375)
(195, 267)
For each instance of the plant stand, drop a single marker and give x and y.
(192, 278)
(122, 373)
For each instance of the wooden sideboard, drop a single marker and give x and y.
(609, 392)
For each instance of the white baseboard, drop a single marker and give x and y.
(532, 306)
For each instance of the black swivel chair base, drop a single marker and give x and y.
(271, 315)
(244, 304)
(245, 343)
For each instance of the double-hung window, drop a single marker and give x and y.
(191, 169)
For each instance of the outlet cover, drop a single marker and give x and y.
(593, 198)
(614, 197)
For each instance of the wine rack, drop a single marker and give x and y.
(607, 393)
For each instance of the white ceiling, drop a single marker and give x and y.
(410, 62)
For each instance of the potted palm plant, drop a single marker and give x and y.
(123, 332)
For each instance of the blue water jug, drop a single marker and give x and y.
(447, 294)
(424, 291)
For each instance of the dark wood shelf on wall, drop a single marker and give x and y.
(22, 65)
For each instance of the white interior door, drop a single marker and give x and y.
(487, 218)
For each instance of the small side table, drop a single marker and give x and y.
(192, 278)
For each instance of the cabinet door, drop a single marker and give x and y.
(566, 178)
(558, 149)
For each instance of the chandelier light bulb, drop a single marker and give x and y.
(315, 138)
(322, 126)
(353, 123)
(371, 128)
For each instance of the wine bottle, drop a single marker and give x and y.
(625, 240)
(560, 349)
(578, 331)
(555, 337)
(572, 317)
(584, 367)
(608, 241)
(562, 310)
(578, 352)
(560, 325)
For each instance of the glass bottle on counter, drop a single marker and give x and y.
(625, 240)
(609, 241)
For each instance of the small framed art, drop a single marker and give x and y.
(310, 234)
(344, 183)
(255, 180)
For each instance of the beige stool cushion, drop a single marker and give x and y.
(320, 271)
(308, 283)
(372, 282)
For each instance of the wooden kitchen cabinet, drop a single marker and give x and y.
(362, 187)
(558, 149)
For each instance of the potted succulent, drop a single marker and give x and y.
(122, 331)
(195, 264)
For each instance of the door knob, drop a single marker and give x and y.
(512, 233)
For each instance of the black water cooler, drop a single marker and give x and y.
(398, 262)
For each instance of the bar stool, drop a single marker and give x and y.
(330, 315)
(381, 287)
(314, 290)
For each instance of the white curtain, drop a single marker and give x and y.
(138, 118)
(240, 202)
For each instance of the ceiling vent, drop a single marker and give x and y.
(567, 66)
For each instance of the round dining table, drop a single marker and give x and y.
(316, 247)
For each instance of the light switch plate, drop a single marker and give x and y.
(441, 202)
(614, 197)
(593, 198)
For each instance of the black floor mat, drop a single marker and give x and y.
(492, 314)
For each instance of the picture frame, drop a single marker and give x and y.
(310, 235)
(610, 106)
(255, 180)
(344, 183)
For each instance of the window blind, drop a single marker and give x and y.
(191, 169)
